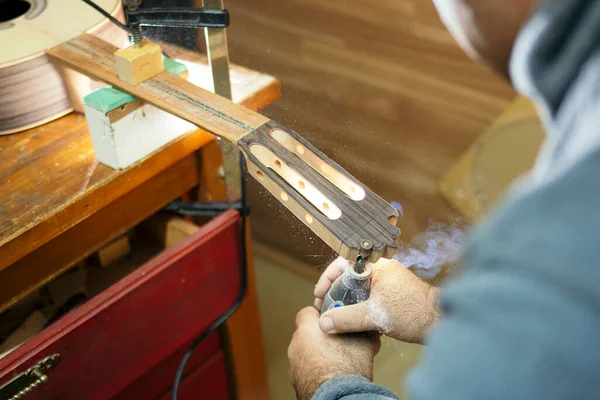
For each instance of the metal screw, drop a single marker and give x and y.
(365, 248)
(136, 35)
(360, 265)
(135, 30)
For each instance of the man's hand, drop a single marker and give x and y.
(400, 306)
(316, 357)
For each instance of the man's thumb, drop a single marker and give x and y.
(354, 318)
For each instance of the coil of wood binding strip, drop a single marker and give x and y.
(32, 90)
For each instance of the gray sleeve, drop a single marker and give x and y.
(352, 388)
(523, 319)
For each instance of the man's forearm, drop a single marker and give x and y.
(306, 383)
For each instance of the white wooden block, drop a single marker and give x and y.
(124, 130)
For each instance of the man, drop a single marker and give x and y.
(523, 319)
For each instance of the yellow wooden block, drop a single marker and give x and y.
(135, 65)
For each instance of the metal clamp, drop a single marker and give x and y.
(178, 17)
(205, 209)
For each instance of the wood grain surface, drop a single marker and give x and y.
(46, 170)
(115, 203)
(50, 183)
(94, 57)
(380, 87)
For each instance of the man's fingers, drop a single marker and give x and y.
(385, 263)
(318, 303)
(354, 318)
(306, 315)
(332, 272)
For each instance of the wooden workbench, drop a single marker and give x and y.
(59, 205)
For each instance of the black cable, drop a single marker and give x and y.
(107, 15)
(241, 295)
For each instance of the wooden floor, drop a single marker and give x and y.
(379, 86)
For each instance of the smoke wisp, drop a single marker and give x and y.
(440, 246)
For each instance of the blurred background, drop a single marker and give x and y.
(382, 89)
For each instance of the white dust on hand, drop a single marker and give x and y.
(440, 246)
(378, 316)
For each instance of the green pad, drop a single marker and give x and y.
(107, 99)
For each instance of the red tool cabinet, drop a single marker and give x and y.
(126, 342)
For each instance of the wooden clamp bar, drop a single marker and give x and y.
(334, 205)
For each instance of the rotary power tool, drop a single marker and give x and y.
(354, 285)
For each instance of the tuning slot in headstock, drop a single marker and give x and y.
(334, 205)
(296, 180)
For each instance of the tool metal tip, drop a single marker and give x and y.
(360, 265)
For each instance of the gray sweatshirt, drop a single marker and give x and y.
(523, 320)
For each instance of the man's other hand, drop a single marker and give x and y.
(401, 305)
(315, 357)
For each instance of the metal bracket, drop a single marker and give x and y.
(178, 17)
(205, 209)
(218, 61)
(214, 19)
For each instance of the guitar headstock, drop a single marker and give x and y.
(339, 209)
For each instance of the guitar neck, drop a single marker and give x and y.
(95, 58)
(333, 204)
